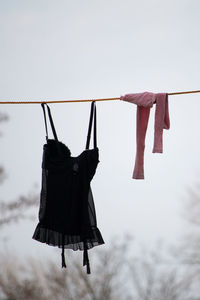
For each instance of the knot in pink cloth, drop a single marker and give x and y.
(145, 99)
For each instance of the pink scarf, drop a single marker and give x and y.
(144, 102)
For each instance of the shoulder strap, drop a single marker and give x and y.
(45, 120)
(92, 114)
(51, 121)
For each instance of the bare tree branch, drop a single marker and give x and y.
(16, 210)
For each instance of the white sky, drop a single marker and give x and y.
(53, 50)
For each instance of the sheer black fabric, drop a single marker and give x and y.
(67, 217)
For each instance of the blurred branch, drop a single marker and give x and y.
(2, 174)
(17, 210)
(192, 206)
(3, 117)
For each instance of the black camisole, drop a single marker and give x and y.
(67, 217)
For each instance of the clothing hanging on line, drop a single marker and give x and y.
(67, 217)
(144, 102)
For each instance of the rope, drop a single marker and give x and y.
(181, 93)
(87, 100)
(56, 101)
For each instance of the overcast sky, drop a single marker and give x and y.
(53, 50)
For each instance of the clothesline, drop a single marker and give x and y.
(86, 100)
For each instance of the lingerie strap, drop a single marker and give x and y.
(86, 261)
(93, 119)
(51, 121)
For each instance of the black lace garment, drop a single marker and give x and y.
(67, 216)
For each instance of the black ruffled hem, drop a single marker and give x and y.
(74, 242)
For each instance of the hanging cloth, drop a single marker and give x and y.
(144, 102)
(67, 216)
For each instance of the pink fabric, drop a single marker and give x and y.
(144, 102)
